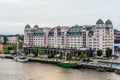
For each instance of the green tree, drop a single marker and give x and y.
(26, 52)
(41, 52)
(99, 52)
(69, 57)
(9, 48)
(20, 45)
(83, 55)
(6, 49)
(89, 53)
(11, 51)
(108, 52)
(20, 37)
(5, 39)
(34, 51)
(13, 47)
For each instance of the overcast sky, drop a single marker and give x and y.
(15, 14)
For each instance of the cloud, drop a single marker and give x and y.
(15, 14)
(12, 27)
(9, 1)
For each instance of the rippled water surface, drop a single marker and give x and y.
(11, 70)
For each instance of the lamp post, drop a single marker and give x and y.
(93, 56)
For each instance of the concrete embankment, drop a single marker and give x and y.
(98, 68)
(42, 61)
(31, 59)
(85, 66)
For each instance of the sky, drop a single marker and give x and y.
(15, 14)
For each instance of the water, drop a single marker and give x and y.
(11, 70)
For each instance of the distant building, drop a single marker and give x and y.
(1, 39)
(116, 41)
(99, 36)
(11, 39)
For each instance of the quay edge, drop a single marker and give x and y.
(84, 66)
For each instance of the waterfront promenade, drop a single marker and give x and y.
(86, 65)
(12, 70)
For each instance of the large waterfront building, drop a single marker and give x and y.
(99, 36)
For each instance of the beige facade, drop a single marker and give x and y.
(99, 36)
(12, 39)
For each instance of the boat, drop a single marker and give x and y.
(67, 64)
(22, 58)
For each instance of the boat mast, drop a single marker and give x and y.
(17, 45)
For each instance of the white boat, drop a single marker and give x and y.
(22, 58)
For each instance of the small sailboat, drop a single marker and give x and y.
(21, 57)
(67, 64)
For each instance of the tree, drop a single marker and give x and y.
(89, 53)
(69, 57)
(6, 49)
(13, 47)
(83, 55)
(34, 51)
(5, 39)
(20, 45)
(26, 52)
(99, 52)
(20, 37)
(108, 52)
(41, 52)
